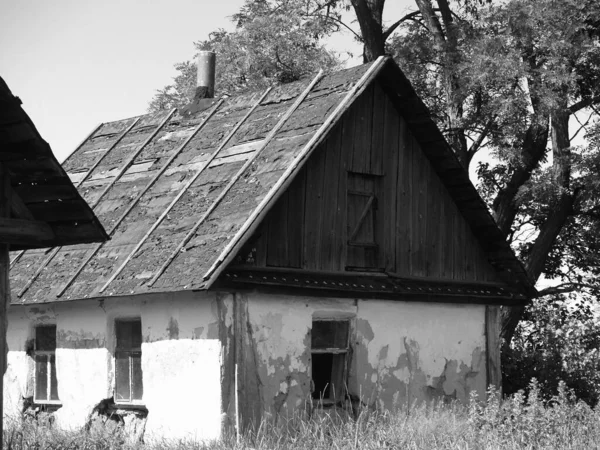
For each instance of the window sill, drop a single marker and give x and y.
(46, 406)
(131, 406)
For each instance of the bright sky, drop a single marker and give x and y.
(77, 63)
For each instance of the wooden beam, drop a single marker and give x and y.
(492, 335)
(24, 232)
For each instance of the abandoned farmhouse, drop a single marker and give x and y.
(317, 244)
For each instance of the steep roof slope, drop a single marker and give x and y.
(180, 194)
(42, 193)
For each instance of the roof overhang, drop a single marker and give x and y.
(45, 208)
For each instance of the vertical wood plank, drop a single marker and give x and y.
(347, 144)
(330, 200)
(390, 153)
(341, 219)
(404, 202)
(250, 399)
(422, 176)
(262, 245)
(443, 236)
(5, 192)
(380, 112)
(363, 114)
(492, 333)
(296, 220)
(277, 238)
(432, 225)
(313, 207)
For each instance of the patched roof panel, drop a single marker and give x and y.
(163, 181)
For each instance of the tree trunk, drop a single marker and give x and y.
(534, 148)
(370, 16)
(560, 211)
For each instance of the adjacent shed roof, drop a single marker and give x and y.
(179, 194)
(42, 193)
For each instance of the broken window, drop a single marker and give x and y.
(46, 384)
(128, 361)
(329, 351)
(363, 224)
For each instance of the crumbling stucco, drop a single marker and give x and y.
(400, 352)
(411, 352)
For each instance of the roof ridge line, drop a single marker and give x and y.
(139, 196)
(250, 224)
(182, 191)
(95, 204)
(85, 177)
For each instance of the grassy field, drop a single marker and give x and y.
(516, 423)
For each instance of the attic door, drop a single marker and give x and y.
(364, 222)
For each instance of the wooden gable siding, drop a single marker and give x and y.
(419, 229)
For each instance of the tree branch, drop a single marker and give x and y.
(583, 125)
(564, 289)
(387, 33)
(477, 144)
(448, 22)
(433, 23)
(583, 104)
(336, 20)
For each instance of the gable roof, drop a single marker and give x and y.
(42, 193)
(180, 194)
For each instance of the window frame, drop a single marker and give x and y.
(337, 393)
(131, 352)
(47, 354)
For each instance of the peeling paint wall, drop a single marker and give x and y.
(411, 352)
(400, 353)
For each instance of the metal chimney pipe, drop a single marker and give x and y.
(206, 73)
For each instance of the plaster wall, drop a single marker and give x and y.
(181, 360)
(401, 352)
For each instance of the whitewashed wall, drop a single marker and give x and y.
(181, 360)
(401, 352)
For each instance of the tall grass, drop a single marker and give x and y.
(518, 422)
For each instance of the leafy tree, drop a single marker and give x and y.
(509, 78)
(556, 341)
(273, 42)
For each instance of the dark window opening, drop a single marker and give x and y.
(46, 383)
(128, 361)
(329, 351)
(364, 222)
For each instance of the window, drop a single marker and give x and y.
(363, 223)
(128, 361)
(46, 384)
(329, 350)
